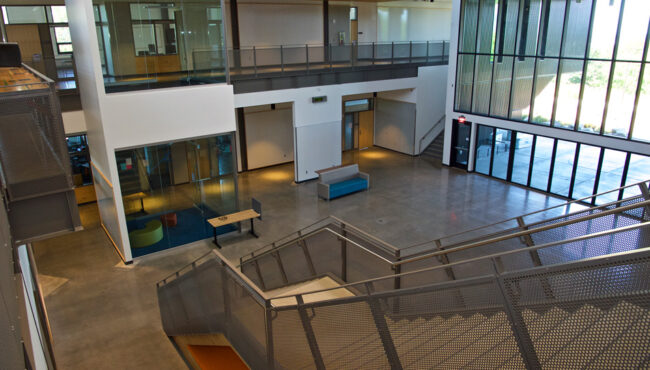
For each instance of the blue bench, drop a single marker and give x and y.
(340, 181)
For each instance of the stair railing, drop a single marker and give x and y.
(435, 125)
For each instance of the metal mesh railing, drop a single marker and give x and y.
(570, 291)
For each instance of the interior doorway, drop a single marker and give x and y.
(460, 137)
(358, 129)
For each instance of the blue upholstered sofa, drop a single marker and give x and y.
(340, 181)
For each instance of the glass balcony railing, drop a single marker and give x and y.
(296, 59)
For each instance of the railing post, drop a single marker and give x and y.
(303, 244)
(392, 52)
(281, 59)
(330, 55)
(410, 51)
(309, 333)
(344, 255)
(382, 329)
(255, 60)
(307, 56)
(443, 51)
(268, 318)
(646, 194)
(373, 53)
(397, 284)
(259, 274)
(278, 259)
(226, 298)
(427, 55)
(534, 255)
(519, 329)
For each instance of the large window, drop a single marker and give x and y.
(146, 44)
(561, 167)
(571, 64)
(170, 190)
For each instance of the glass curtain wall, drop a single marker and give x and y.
(170, 190)
(571, 64)
(149, 44)
(561, 167)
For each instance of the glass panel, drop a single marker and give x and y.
(577, 27)
(551, 27)
(484, 149)
(610, 175)
(638, 170)
(563, 167)
(62, 34)
(152, 11)
(464, 83)
(65, 48)
(79, 160)
(541, 162)
(501, 87)
(586, 171)
(181, 40)
(144, 39)
(59, 15)
(633, 30)
(642, 121)
(507, 26)
(568, 93)
(482, 82)
(501, 156)
(546, 75)
(351, 106)
(486, 26)
(522, 88)
(621, 99)
(593, 101)
(603, 31)
(469, 17)
(170, 190)
(521, 161)
(25, 14)
(529, 18)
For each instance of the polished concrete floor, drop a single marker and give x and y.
(104, 314)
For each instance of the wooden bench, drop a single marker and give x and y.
(237, 217)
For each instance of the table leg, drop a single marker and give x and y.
(253, 229)
(214, 233)
(142, 205)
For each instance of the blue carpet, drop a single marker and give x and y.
(191, 226)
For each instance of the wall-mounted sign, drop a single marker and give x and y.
(319, 99)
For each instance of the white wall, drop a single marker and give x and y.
(404, 21)
(269, 135)
(395, 125)
(74, 122)
(135, 119)
(326, 116)
(431, 104)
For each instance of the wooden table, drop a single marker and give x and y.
(140, 195)
(232, 218)
(18, 79)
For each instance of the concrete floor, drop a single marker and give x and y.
(104, 315)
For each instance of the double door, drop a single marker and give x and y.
(460, 140)
(358, 130)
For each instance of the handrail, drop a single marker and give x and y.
(522, 233)
(486, 257)
(277, 246)
(529, 214)
(442, 119)
(509, 230)
(312, 233)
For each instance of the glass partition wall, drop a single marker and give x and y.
(170, 190)
(155, 44)
(561, 167)
(571, 64)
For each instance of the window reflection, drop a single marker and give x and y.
(501, 156)
(484, 149)
(521, 161)
(170, 190)
(611, 172)
(563, 167)
(586, 171)
(541, 162)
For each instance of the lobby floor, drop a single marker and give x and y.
(104, 314)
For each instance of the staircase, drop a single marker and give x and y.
(436, 148)
(331, 297)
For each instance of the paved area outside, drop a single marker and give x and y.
(104, 315)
